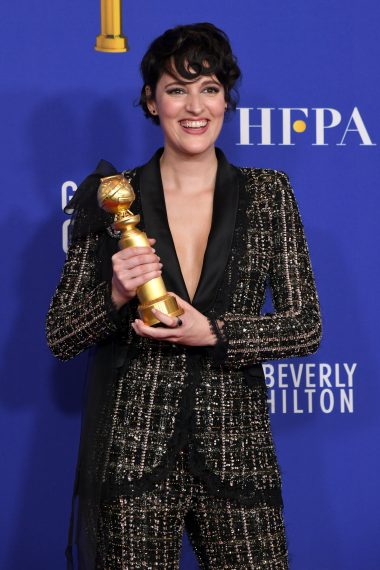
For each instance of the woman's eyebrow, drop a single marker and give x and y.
(203, 82)
(177, 82)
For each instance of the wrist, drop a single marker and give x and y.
(117, 297)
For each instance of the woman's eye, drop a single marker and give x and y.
(212, 89)
(175, 91)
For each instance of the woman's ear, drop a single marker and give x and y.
(150, 103)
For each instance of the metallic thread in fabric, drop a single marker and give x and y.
(148, 400)
(146, 531)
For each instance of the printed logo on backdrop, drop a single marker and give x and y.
(328, 126)
(308, 387)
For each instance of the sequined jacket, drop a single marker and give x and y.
(146, 398)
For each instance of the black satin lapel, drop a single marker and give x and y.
(157, 226)
(219, 243)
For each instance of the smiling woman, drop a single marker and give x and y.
(176, 431)
(194, 107)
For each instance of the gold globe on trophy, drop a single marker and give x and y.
(115, 196)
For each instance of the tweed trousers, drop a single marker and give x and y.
(145, 531)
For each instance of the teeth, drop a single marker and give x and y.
(193, 124)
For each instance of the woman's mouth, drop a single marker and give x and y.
(194, 124)
(198, 126)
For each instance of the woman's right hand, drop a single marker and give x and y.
(133, 267)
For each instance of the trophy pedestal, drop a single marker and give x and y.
(167, 304)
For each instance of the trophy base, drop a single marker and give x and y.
(111, 44)
(167, 304)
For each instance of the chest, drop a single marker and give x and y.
(190, 225)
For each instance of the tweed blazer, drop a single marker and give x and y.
(146, 399)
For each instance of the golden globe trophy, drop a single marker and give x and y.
(115, 196)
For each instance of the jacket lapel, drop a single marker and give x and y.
(220, 238)
(219, 243)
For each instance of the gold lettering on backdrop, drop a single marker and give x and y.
(111, 38)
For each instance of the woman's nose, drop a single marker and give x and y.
(194, 103)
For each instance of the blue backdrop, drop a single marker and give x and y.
(63, 107)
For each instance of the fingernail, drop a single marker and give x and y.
(154, 251)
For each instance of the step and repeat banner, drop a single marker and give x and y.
(308, 105)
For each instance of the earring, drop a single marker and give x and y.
(153, 111)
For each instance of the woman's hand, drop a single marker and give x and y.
(194, 330)
(133, 267)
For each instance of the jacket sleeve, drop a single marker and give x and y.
(81, 313)
(294, 329)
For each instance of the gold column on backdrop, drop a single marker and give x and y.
(111, 38)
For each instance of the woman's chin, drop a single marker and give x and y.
(194, 148)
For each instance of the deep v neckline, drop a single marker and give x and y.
(204, 245)
(170, 235)
(219, 241)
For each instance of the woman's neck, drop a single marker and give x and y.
(183, 173)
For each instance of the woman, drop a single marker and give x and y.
(176, 431)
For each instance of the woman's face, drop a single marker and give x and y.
(191, 113)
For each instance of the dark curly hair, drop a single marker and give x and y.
(190, 51)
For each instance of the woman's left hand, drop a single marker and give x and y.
(194, 330)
